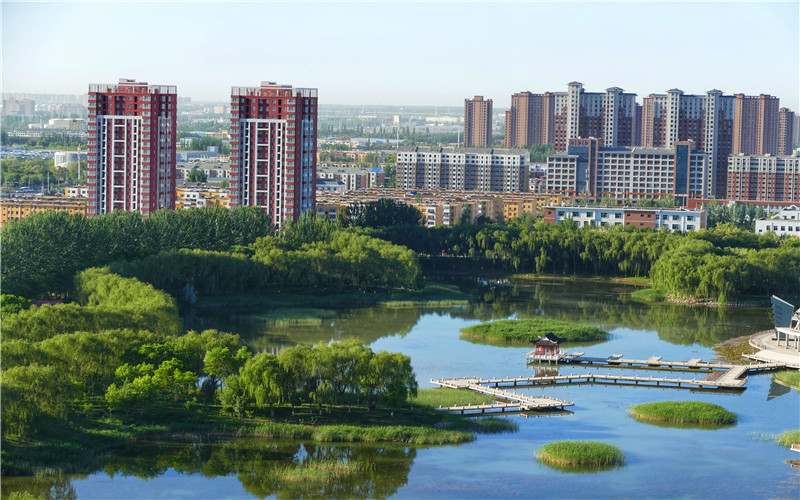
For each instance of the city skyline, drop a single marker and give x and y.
(406, 54)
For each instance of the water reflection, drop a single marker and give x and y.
(263, 467)
(607, 305)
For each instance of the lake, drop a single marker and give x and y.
(738, 461)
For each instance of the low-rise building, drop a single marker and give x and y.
(76, 192)
(64, 158)
(674, 219)
(210, 152)
(215, 170)
(353, 178)
(19, 208)
(74, 124)
(785, 222)
(445, 208)
(200, 194)
(331, 185)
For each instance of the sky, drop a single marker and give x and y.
(405, 53)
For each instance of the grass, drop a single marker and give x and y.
(434, 398)
(788, 377)
(696, 412)
(580, 453)
(648, 295)
(523, 330)
(732, 350)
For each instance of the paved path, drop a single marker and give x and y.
(771, 353)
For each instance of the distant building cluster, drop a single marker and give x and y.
(445, 207)
(606, 146)
(718, 125)
(19, 107)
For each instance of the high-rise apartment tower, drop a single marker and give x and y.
(755, 129)
(131, 135)
(478, 122)
(274, 149)
(786, 131)
(557, 117)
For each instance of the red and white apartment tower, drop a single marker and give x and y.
(274, 149)
(132, 135)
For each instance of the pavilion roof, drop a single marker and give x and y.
(548, 339)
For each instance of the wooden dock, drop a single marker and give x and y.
(514, 401)
(653, 362)
(730, 382)
(720, 376)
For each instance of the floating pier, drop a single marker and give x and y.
(720, 376)
(514, 401)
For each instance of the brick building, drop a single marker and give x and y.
(273, 149)
(478, 122)
(131, 134)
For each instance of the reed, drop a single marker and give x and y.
(580, 453)
(695, 412)
(788, 377)
(788, 438)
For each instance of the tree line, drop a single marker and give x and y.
(43, 252)
(716, 263)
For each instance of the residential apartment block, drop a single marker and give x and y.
(273, 149)
(590, 170)
(463, 169)
(677, 219)
(131, 160)
(764, 178)
(478, 122)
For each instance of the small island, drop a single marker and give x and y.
(684, 412)
(531, 329)
(580, 454)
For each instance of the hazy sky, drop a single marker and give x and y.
(405, 53)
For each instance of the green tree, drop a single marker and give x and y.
(196, 175)
(30, 395)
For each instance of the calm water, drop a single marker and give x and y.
(663, 462)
